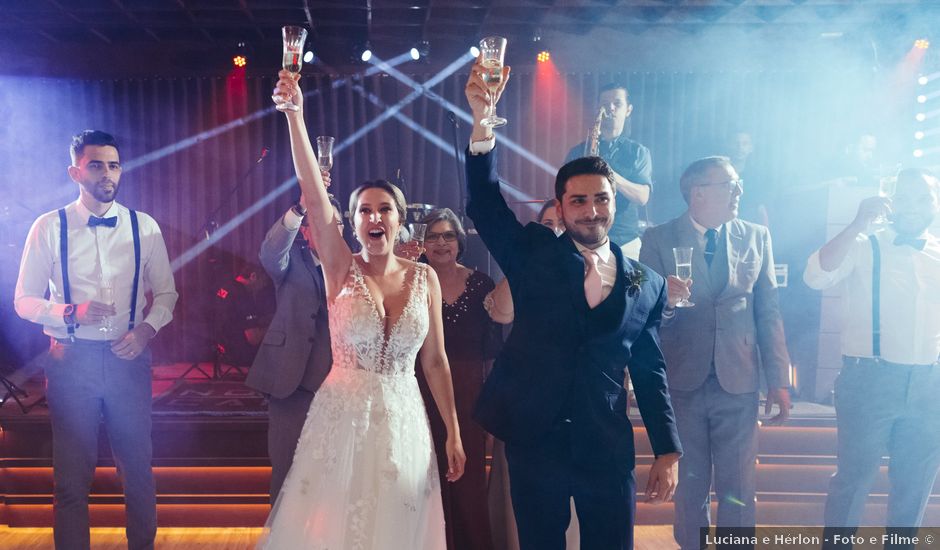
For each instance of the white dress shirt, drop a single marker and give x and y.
(910, 298)
(96, 254)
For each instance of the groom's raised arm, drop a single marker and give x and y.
(494, 220)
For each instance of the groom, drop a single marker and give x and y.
(562, 410)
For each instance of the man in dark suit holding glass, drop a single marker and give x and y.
(562, 409)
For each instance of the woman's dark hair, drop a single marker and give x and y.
(447, 215)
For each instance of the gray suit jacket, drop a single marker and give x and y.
(295, 352)
(736, 318)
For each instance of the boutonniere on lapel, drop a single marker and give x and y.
(635, 278)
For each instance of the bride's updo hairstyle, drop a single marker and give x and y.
(397, 196)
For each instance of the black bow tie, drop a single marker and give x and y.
(95, 221)
(917, 244)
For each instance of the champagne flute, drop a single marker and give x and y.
(106, 296)
(887, 186)
(325, 152)
(294, 39)
(683, 257)
(417, 231)
(493, 51)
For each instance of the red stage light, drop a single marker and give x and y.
(239, 60)
(922, 43)
(543, 56)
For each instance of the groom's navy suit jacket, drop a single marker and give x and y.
(562, 361)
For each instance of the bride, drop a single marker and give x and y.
(364, 474)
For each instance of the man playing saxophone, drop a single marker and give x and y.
(630, 161)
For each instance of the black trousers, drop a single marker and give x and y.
(544, 477)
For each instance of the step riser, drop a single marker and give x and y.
(254, 515)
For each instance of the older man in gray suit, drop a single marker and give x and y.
(716, 349)
(294, 356)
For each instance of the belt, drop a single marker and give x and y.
(851, 361)
(83, 342)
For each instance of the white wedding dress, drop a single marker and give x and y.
(364, 475)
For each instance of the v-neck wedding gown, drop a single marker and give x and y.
(364, 476)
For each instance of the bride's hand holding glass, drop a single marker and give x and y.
(288, 90)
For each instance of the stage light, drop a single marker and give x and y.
(240, 59)
(366, 52)
(923, 80)
(921, 99)
(474, 51)
(922, 43)
(921, 117)
(543, 56)
(918, 135)
(308, 56)
(918, 153)
(422, 49)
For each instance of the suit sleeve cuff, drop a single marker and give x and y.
(292, 220)
(483, 147)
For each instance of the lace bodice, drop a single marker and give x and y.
(357, 333)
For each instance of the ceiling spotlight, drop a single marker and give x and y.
(308, 56)
(421, 49)
(921, 117)
(240, 59)
(543, 56)
(366, 52)
(918, 135)
(918, 153)
(474, 51)
(922, 43)
(921, 99)
(923, 80)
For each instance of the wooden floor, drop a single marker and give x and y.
(648, 537)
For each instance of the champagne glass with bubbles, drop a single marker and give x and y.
(683, 257)
(887, 186)
(493, 51)
(106, 296)
(294, 39)
(325, 152)
(417, 231)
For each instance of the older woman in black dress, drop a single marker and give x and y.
(470, 336)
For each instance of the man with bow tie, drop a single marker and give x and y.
(886, 395)
(97, 260)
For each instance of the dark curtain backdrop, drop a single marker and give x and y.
(188, 144)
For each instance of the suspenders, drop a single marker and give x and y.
(875, 297)
(64, 257)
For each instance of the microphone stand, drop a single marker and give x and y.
(211, 225)
(461, 207)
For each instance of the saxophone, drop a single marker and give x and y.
(590, 146)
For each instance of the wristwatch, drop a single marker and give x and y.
(299, 210)
(68, 314)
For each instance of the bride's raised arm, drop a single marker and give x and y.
(333, 251)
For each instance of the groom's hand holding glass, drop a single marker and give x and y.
(479, 95)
